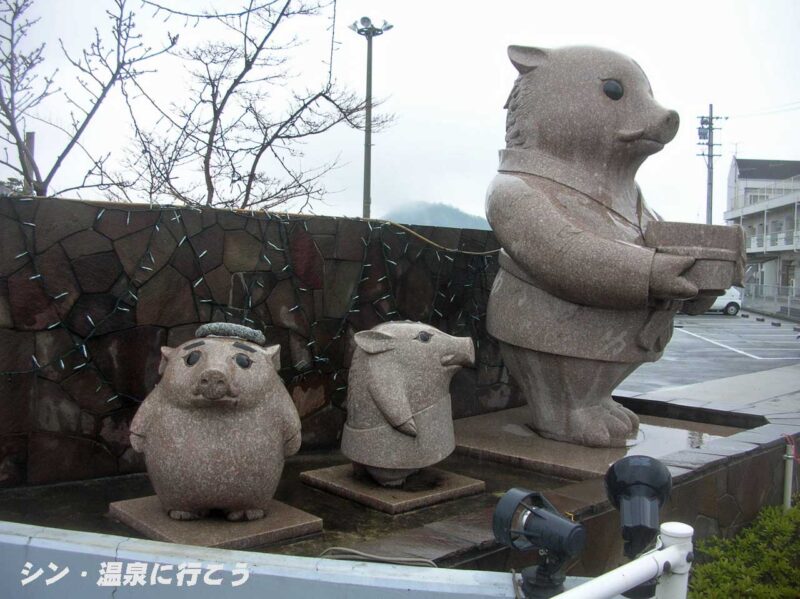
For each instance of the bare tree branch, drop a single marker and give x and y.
(250, 150)
(232, 137)
(99, 70)
(242, 13)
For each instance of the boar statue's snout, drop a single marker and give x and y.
(668, 126)
(213, 384)
(464, 354)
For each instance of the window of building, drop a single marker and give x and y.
(787, 273)
(756, 197)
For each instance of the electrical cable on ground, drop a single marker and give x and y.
(348, 553)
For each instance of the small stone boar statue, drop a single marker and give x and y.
(399, 417)
(216, 428)
(583, 296)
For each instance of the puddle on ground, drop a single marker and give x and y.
(83, 505)
(659, 436)
(656, 436)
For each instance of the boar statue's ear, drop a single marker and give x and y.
(166, 355)
(374, 342)
(273, 353)
(525, 58)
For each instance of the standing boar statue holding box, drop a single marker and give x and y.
(399, 416)
(216, 428)
(589, 279)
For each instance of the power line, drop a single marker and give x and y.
(789, 107)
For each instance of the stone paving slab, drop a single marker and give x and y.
(741, 390)
(789, 403)
(427, 488)
(281, 522)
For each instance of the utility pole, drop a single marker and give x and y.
(365, 27)
(705, 133)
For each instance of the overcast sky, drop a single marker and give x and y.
(444, 73)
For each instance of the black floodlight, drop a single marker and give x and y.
(638, 486)
(526, 520)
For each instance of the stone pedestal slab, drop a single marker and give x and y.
(281, 522)
(429, 487)
(505, 437)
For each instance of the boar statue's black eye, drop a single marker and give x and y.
(424, 336)
(243, 361)
(613, 89)
(192, 358)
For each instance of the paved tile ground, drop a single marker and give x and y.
(714, 346)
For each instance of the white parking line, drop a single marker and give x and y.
(776, 347)
(774, 333)
(733, 349)
(733, 338)
(767, 335)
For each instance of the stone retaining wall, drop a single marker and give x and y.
(89, 291)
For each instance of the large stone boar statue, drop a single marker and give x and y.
(399, 417)
(217, 426)
(580, 301)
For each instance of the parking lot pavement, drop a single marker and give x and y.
(712, 346)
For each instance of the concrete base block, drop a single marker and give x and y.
(281, 522)
(428, 487)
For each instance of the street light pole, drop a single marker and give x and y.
(365, 27)
(368, 136)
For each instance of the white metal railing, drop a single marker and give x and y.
(775, 241)
(772, 299)
(774, 191)
(755, 242)
(670, 562)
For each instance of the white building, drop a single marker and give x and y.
(763, 197)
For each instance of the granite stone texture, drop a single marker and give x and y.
(282, 522)
(399, 415)
(216, 428)
(583, 297)
(89, 292)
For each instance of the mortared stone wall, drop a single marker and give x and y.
(89, 292)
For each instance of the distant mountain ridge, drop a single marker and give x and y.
(437, 215)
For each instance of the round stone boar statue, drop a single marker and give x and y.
(589, 282)
(399, 417)
(216, 428)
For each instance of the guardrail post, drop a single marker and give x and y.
(675, 583)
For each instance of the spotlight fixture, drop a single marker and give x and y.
(638, 486)
(520, 523)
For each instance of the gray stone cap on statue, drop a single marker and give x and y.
(227, 329)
